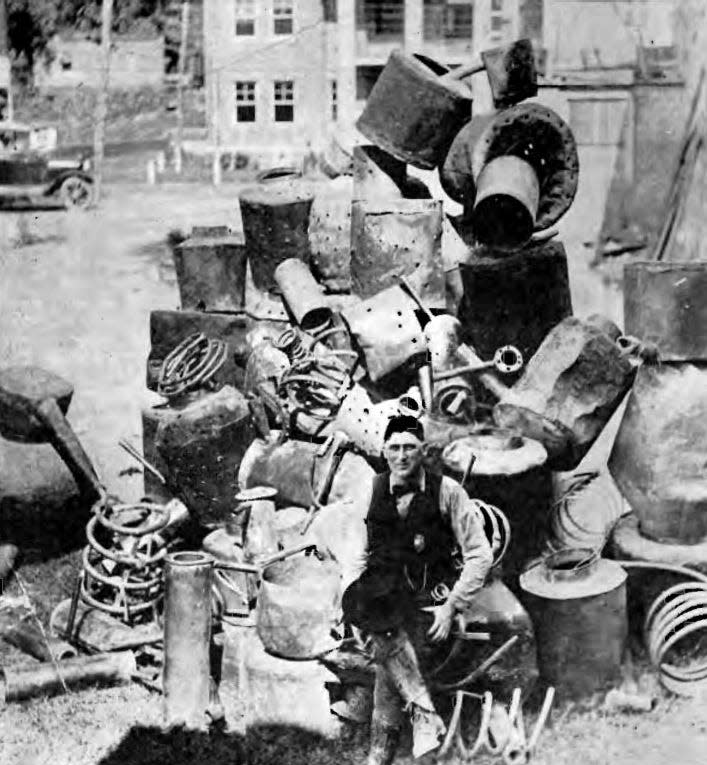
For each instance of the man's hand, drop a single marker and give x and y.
(442, 625)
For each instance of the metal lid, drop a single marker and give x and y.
(255, 493)
(572, 573)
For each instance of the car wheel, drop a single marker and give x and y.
(76, 192)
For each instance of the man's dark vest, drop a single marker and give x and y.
(413, 550)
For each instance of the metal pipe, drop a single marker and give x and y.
(29, 639)
(28, 682)
(187, 634)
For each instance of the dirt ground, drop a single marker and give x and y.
(75, 298)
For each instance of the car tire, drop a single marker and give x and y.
(76, 193)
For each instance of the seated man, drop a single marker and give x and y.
(415, 522)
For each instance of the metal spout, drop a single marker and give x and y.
(506, 206)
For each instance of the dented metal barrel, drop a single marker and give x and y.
(509, 472)
(186, 673)
(275, 217)
(330, 235)
(298, 607)
(211, 272)
(568, 391)
(664, 304)
(577, 602)
(412, 113)
(302, 295)
(511, 72)
(169, 328)
(202, 446)
(387, 331)
(658, 459)
(514, 300)
(398, 237)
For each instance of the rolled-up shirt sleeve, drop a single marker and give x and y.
(467, 526)
(357, 553)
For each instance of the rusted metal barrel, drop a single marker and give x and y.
(302, 295)
(276, 225)
(186, 672)
(509, 472)
(664, 304)
(412, 113)
(658, 459)
(211, 273)
(568, 391)
(506, 204)
(169, 328)
(330, 235)
(517, 299)
(394, 238)
(577, 602)
(286, 467)
(213, 430)
(386, 330)
(363, 421)
(511, 72)
(22, 683)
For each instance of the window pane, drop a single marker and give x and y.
(245, 113)
(283, 26)
(244, 27)
(284, 113)
(245, 101)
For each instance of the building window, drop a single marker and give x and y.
(284, 101)
(447, 20)
(245, 18)
(334, 100)
(245, 101)
(381, 19)
(283, 16)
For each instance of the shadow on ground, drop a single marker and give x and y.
(263, 745)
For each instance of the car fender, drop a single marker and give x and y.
(55, 185)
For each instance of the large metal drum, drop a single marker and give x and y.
(275, 218)
(514, 300)
(414, 114)
(665, 304)
(658, 459)
(577, 602)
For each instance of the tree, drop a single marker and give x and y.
(32, 23)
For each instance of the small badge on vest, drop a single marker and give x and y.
(419, 542)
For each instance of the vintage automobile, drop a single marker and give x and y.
(32, 170)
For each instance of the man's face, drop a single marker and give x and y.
(403, 453)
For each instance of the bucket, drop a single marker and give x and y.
(297, 607)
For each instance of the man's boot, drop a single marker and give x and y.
(384, 744)
(397, 655)
(427, 731)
